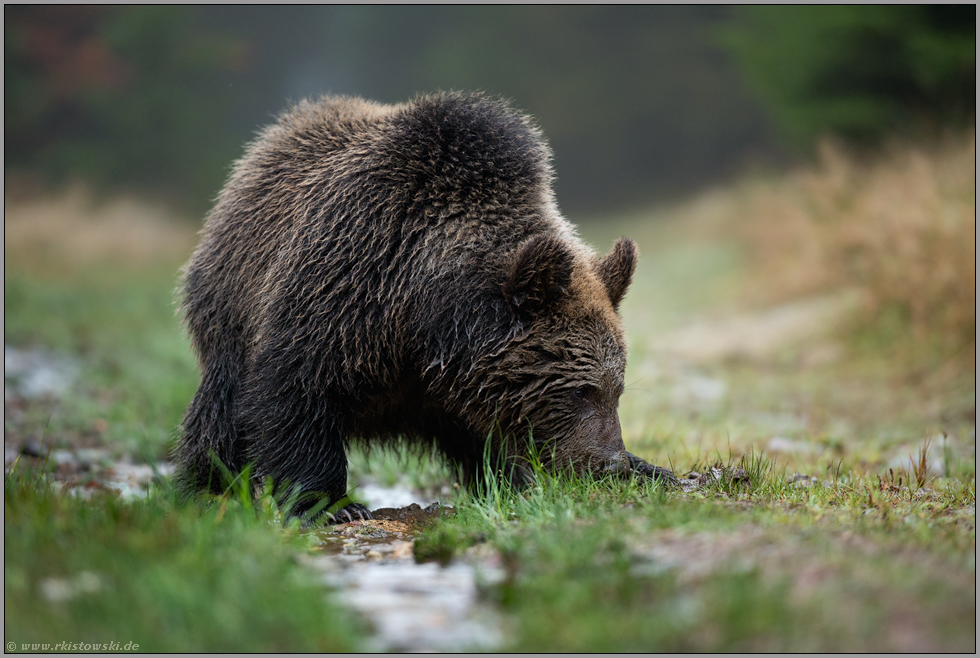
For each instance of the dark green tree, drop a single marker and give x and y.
(859, 71)
(120, 96)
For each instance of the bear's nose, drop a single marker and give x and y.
(613, 433)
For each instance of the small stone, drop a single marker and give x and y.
(64, 469)
(800, 480)
(737, 475)
(687, 486)
(32, 449)
(729, 474)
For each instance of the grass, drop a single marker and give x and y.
(168, 576)
(871, 548)
(759, 565)
(137, 369)
(868, 384)
(97, 285)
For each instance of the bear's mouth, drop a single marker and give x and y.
(618, 465)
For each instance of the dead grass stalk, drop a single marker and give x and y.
(901, 227)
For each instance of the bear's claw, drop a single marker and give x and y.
(349, 513)
(644, 469)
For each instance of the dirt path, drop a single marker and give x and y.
(756, 334)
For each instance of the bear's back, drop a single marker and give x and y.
(347, 217)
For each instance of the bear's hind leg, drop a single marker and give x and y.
(208, 433)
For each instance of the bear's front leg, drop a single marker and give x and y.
(316, 473)
(295, 434)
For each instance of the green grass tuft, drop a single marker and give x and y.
(171, 577)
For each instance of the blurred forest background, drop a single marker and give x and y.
(640, 104)
(801, 181)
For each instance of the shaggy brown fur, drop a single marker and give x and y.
(382, 272)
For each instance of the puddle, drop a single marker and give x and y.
(377, 496)
(415, 607)
(129, 481)
(132, 480)
(376, 538)
(411, 607)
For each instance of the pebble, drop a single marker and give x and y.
(801, 480)
(33, 449)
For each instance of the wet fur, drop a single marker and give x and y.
(393, 273)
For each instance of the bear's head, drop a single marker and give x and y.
(560, 376)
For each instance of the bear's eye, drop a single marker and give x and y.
(585, 392)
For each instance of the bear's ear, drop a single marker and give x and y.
(539, 275)
(616, 269)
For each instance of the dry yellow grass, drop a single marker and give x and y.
(71, 230)
(901, 228)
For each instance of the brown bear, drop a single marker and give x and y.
(400, 273)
